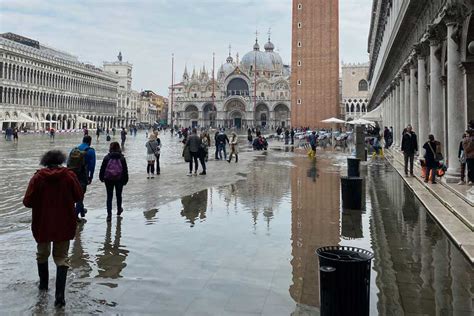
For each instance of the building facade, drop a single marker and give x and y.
(127, 98)
(248, 93)
(422, 69)
(355, 90)
(315, 62)
(41, 87)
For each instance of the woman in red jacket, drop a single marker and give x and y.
(52, 193)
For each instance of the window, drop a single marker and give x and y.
(300, 25)
(298, 101)
(299, 82)
(299, 44)
(300, 6)
(299, 63)
(363, 85)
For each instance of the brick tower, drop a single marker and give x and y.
(315, 62)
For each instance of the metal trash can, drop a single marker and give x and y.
(352, 193)
(353, 167)
(344, 280)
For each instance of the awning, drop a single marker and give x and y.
(374, 115)
(361, 122)
(25, 118)
(81, 119)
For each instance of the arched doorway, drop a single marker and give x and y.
(209, 115)
(262, 114)
(238, 86)
(282, 115)
(235, 109)
(191, 116)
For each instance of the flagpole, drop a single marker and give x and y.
(172, 90)
(214, 109)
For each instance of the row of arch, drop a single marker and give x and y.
(24, 74)
(15, 96)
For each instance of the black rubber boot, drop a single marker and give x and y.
(236, 158)
(43, 275)
(61, 274)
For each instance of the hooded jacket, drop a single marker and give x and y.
(105, 162)
(51, 194)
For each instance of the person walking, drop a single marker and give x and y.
(468, 147)
(462, 160)
(123, 136)
(97, 133)
(15, 135)
(313, 140)
(158, 153)
(431, 162)
(114, 173)
(287, 136)
(81, 161)
(193, 142)
(8, 133)
(222, 141)
(206, 142)
(409, 148)
(234, 150)
(51, 193)
(292, 135)
(152, 150)
(52, 133)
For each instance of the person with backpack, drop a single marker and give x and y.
(51, 195)
(431, 159)
(152, 151)
(234, 148)
(114, 174)
(222, 141)
(82, 160)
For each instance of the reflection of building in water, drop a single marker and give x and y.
(415, 261)
(111, 262)
(261, 192)
(194, 206)
(315, 223)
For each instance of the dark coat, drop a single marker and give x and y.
(115, 155)
(430, 156)
(51, 194)
(409, 143)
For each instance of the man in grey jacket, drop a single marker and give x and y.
(194, 144)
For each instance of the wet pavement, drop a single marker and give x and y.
(240, 241)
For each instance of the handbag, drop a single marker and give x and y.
(186, 154)
(437, 156)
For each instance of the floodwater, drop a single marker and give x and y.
(243, 248)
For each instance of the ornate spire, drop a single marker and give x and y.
(256, 46)
(119, 57)
(185, 74)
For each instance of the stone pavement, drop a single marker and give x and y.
(453, 212)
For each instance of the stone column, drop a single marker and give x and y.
(436, 93)
(423, 105)
(403, 123)
(407, 105)
(414, 96)
(456, 110)
(397, 111)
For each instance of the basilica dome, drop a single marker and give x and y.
(258, 59)
(274, 57)
(227, 68)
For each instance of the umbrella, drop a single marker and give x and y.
(333, 120)
(361, 122)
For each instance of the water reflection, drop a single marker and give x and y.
(351, 224)
(194, 207)
(111, 258)
(419, 270)
(150, 216)
(315, 223)
(80, 259)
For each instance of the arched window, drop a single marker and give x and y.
(363, 85)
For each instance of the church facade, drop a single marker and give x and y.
(252, 92)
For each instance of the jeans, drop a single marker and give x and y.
(222, 148)
(463, 171)
(194, 158)
(430, 170)
(202, 159)
(80, 204)
(60, 252)
(217, 152)
(109, 186)
(470, 169)
(409, 157)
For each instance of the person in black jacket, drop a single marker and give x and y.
(430, 148)
(409, 148)
(114, 173)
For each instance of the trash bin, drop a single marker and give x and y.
(352, 193)
(353, 167)
(344, 280)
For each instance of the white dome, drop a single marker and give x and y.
(226, 69)
(257, 59)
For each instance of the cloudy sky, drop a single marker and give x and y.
(149, 31)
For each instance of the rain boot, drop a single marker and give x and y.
(61, 274)
(236, 158)
(43, 275)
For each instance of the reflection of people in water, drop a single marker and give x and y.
(112, 259)
(150, 214)
(194, 206)
(79, 259)
(312, 171)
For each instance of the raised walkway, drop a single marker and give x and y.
(450, 206)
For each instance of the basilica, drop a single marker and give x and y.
(252, 92)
